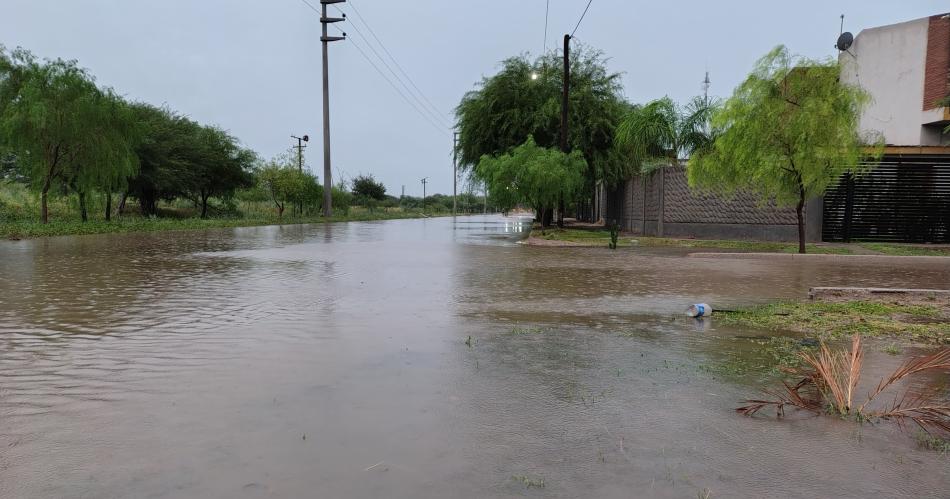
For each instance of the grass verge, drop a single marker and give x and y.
(602, 238)
(906, 249)
(23, 230)
(831, 321)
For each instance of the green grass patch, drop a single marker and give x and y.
(581, 236)
(906, 249)
(769, 356)
(597, 237)
(750, 246)
(920, 323)
(31, 229)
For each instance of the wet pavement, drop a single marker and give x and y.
(414, 358)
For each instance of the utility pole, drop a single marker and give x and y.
(455, 173)
(424, 182)
(300, 148)
(706, 83)
(565, 91)
(327, 179)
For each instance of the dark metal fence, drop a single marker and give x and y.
(904, 199)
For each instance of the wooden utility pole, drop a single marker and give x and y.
(424, 182)
(327, 177)
(565, 92)
(455, 173)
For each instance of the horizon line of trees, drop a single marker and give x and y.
(64, 135)
(61, 133)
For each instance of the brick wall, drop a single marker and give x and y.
(689, 213)
(937, 65)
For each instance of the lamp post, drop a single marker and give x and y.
(300, 148)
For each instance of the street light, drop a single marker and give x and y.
(300, 146)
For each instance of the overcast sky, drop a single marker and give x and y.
(253, 66)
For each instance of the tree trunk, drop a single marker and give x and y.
(280, 211)
(121, 208)
(204, 206)
(560, 212)
(108, 206)
(82, 207)
(800, 211)
(44, 207)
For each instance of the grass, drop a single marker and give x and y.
(829, 321)
(932, 442)
(33, 229)
(529, 481)
(19, 215)
(603, 238)
(906, 249)
(772, 355)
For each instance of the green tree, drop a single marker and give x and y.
(524, 99)
(64, 129)
(366, 186)
(222, 167)
(285, 184)
(787, 133)
(535, 176)
(661, 132)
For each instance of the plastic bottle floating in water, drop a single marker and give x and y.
(699, 310)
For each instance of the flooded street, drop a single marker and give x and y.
(414, 359)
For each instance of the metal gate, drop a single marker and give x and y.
(903, 199)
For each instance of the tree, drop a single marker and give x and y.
(222, 168)
(513, 104)
(787, 133)
(366, 186)
(62, 127)
(166, 156)
(285, 183)
(536, 176)
(661, 132)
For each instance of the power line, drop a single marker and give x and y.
(547, 8)
(395, 61)
(382, 74)
(395, 87)
(582, 18)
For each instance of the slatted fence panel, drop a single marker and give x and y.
(903, 199)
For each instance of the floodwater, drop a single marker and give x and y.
(412, 359)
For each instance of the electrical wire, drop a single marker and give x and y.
(582, 18)
(395, 61)
(375, 52)
(383, 75)
(547, 9)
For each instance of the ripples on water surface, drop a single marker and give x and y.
(330, 361)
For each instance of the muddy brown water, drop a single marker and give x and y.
(419, 358)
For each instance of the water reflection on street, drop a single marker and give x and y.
(416, 358)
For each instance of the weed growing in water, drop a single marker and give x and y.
(529, 482)
(931, 442)
(892, 349)
(526, 330)
(470, 342)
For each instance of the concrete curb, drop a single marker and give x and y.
(820, 293)
(842, 258)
